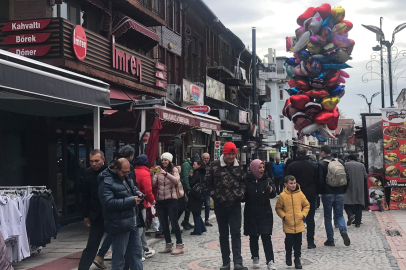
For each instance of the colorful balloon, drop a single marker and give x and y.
(299, 101)
(302, 42)
(329, 103)
(316, 23)
(338, 14)
(306, 15)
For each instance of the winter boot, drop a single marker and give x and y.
(298, 264)
(168, 248)
(178, 250)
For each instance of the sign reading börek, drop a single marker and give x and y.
(26, 38)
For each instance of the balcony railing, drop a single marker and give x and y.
(148, 5)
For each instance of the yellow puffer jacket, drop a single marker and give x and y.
(292, 207)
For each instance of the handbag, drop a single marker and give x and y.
(197, 190)
(179, 190)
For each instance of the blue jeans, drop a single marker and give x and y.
(206, 207)
(127, 245)
(199, 224)
(333, 202)
(105, 246)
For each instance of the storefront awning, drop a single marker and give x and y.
(31, 78)
(124, 23)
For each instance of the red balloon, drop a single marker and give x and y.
(302, 85)
(332, 78)
(306, 15)
(333, 124)
(349, 25)
(299, 101)
(324, 10)
(317, 93)
(324, 118)
(292, 83)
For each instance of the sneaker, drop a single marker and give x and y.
(225, 267)
(354, 222)
(255, 262)
(159, 235)
(271, 266)
(350, 220)
(208, 224)
(357, 225)
(239, 267)
(288, 260)
(311, 246)
(346, 239)
(99, 262)
(329, 243)
(148, 254)
(298, 264)
(193, 233)
(186, 226)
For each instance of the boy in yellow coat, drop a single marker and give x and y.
(292, 206)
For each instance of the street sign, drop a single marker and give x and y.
(226, 134)
(284, 149)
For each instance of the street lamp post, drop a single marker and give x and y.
(366, 99)
(381, 38)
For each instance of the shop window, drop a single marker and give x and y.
(282, 122)
(169, 14)
(280, 94)
(178, 69)
(171, 68)
(90, 18)
(4, 11)
(177, 17)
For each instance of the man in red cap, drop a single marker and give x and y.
(224, 182)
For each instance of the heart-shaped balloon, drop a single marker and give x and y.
(299, 101)
(302, 85)
(316, 23)
(349, 25)
(287, 103)
(338, 14)
(332, 78)
(292, 83)
(329, 103)
(313, 108)
(340, 41)
(344, 74)
(290, 43)
(306, 15)
(324, 10)
(290, 61)
(317, 93)
(333, 123)
(323, 118)
(303, 55)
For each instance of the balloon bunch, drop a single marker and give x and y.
(321, 49)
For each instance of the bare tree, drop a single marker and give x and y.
(343, 115)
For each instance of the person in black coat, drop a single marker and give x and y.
(258, 216)
(306, 173)
(196, 198)
(91, 208)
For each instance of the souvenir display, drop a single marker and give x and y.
(321, 49)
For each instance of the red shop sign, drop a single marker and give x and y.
(161, 84)
(31, 51)
(79, 42)
(203, 108)
(161, 75)
(26, 25)
(160, 66)
(26, 38)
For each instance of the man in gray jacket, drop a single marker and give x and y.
(354, 197)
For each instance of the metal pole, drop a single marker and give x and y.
(389, 46)
(96, 128)
(369, 105)
(254, 77)
(143, 126)
(382, 81)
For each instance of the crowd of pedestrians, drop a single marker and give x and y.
(117, 197)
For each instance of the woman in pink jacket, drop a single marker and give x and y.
(168, 180)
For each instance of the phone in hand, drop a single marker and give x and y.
(141, 196)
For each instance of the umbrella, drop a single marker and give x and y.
(152, 147)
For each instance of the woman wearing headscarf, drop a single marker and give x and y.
(258, 216)
(196, 198)
(168, 180)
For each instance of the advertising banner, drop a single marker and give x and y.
(193, 93)
(215, 89)
(217, 147)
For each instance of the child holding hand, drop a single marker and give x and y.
(292, 206)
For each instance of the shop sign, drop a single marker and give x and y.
(26, 25)
(226, 134)
(273, 151)
(206, 125)
(160, 75)
(217, 146)
(144, 139)
(79, 42)
(192, 93)
(26, 38)
(124, 61)
(242, 117)
(31, 51)
(237, 138)
(309, 152)
(215, 89)
(284, 149)
(175, 118)
(160, 84)
(160, 66)
(201, 109)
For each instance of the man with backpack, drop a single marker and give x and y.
(333, 183)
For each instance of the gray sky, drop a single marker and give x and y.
(275, 19)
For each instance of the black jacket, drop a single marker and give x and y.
(119, 206)
(195, 204)
(323, 187)
(306, 173)
(91, 207)
(258, 216)
(268, 168)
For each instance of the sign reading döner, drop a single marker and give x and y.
(31, 51)
(26, 25)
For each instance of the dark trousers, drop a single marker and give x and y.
(168, 211)
(266, 242)
(206, 207)
(229, 222)
(280, 185)
(293, 240)
(95, 236)
(310, 221)
(354, 210)
(182, 207)
(199, 224)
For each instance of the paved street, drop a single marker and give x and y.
(371, 248)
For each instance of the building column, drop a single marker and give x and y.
(96, 128)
